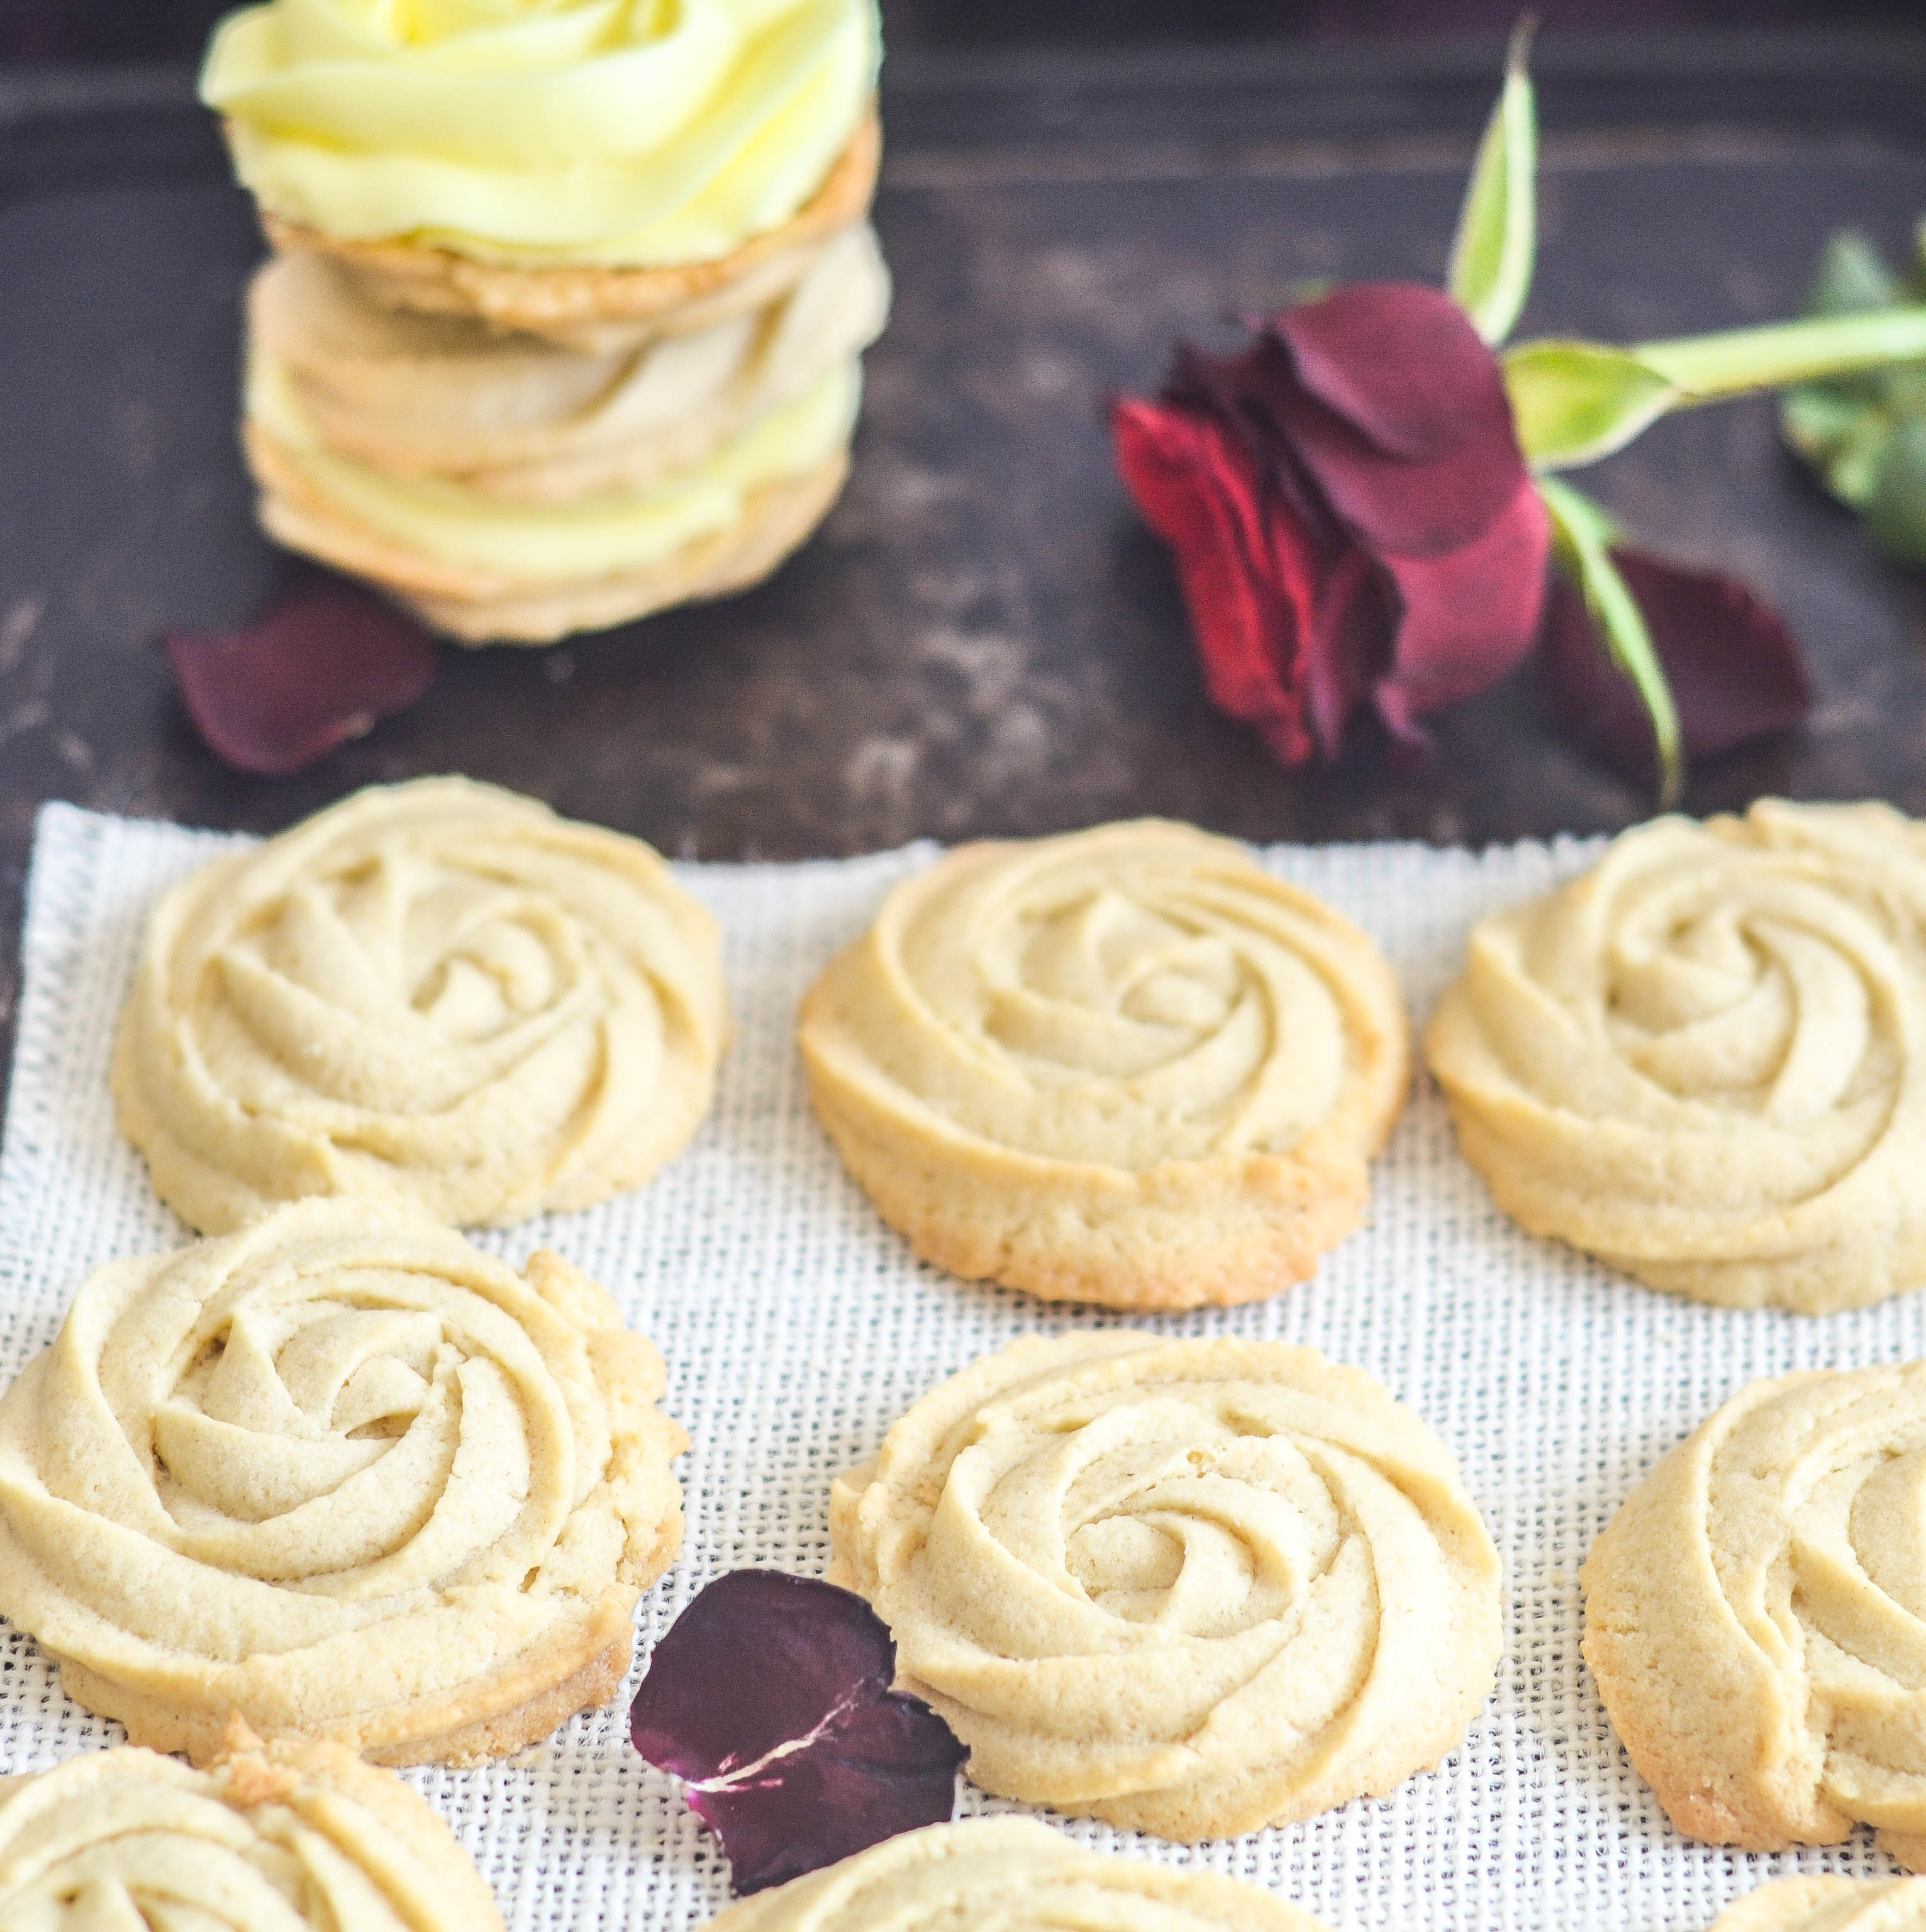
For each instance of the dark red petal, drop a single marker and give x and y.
(770, 1695)
(1735, 669)
(1401, 363)
(1470, 618)
(323, 666)
(1411, 455)
(893, 1769)
(757, 1659)
(1245, 572)
(1351, 643)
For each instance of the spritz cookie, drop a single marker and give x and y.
(1125, 1066)
(269, 1838)
(1755, 1616)
(1007, 1875)
(437, 994)
(1192, 1587)
(1705, 1061)
(1821, 1903)
(344, 1474)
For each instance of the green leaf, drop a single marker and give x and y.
(1490, 274)
(1582, 538)
(1896, 514)
(1852, 278)
(1844, 436)
(1575, 401)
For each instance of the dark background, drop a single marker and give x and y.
(125, 29)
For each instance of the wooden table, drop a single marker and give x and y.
(983, 640)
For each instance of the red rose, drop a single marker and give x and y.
(1351, 514)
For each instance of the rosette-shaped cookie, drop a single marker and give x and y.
(269, 1838)
(344, 1474)
(1824, 1903)
(1127, 1066)
(437, 994)
(1012, 1875)
(1191, 1588)
(1705, 1061)
(1756, 1615)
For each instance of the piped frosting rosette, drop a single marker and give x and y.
(1705, 1061)
(1125, 1066)
(1193, 1587)
(1012, 1874)
(346, 1475)
(439, 995)
(1756, 1615)
(1821, 1903)
(271, 1837)
(575, 133)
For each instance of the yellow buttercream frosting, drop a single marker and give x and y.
(621, 133)
(450, 522)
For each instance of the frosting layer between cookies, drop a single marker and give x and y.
(1756, 1615)
(345, 1474)
(1012, 1874)
(521, 419)
(1125, 1066)
(1705, 1061)
(586, 132)
(271, 1837)
(1192, 1587)
(437, 994)
(541, 543)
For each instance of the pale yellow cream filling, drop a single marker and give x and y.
(617, 132)
(545, 543)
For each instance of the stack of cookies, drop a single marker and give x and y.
(565, 321)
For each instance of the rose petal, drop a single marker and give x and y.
(770, 1695)
(1735, 669)
(1351, 644)
(1247, 579)
(892, 1768)
(1470, 617)
(322, 667)
(1401, 363)
(1412, 455)
(1416, 456)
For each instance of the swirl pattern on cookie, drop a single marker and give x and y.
(1823, 1903)
(1756, 1615)
(342, 1474)
(437, 994)
(1705, 1061)
(1012, 1874)
(1192, 1587)
(271, 1837)
(1127, 1066)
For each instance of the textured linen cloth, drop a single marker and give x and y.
(796, 1328)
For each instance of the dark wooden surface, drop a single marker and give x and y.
(983, 639)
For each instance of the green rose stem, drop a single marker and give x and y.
(1572, 402)
(1704, 368)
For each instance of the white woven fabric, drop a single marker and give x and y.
(796, 1328)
